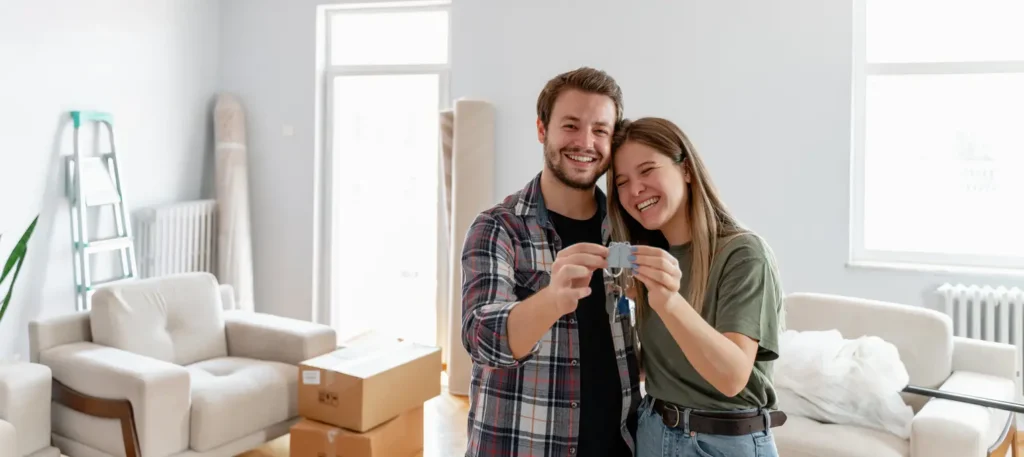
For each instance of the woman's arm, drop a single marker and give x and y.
(725, 360)
(746, 315)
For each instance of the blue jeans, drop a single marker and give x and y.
(655, 439)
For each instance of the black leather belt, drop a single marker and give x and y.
(732, 424)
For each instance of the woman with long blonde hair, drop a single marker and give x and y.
(708, 300)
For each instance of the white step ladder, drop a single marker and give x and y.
(95, 181)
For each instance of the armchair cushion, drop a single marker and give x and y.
(269, 337)
(232, 397)
(803, 437)
(159, 392)
(177, 319)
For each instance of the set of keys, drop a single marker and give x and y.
(620, 268)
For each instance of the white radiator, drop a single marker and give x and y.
(986, 313)
(176, 238)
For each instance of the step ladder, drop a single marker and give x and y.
(95, 181)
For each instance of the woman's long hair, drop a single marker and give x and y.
(710, 222)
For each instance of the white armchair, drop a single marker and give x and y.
(934, 359)
(159, 368)
(25, 411)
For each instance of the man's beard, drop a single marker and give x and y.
(550, 157)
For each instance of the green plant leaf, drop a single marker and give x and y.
(15, 261)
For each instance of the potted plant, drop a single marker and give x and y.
(13, 266)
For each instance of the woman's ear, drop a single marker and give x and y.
(684, 166)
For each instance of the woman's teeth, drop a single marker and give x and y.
(647, 203)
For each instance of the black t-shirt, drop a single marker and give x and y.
(600, 389)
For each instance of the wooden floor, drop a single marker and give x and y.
(444, 434)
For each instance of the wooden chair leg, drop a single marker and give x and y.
(102, 407)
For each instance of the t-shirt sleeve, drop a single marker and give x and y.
(748, 303)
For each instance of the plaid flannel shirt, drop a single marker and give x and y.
(527, 406)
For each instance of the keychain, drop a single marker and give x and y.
(619, 265)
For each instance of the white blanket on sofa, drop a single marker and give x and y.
(822, 376)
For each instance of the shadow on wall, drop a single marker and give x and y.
(28, 297)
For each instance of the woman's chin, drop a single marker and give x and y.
(650, 221)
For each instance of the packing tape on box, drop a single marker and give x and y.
(329, 452)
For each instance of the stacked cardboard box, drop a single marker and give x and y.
(365, 400)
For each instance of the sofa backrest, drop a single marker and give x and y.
(924, 337)
(177, 318)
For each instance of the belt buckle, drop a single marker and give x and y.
(678, 414)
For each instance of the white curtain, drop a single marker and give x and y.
(467, 167)
(234, 237)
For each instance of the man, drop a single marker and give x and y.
(552, 376)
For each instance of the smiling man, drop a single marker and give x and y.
(554, 369)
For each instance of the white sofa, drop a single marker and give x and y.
(934, 359)
(25, 410)
(158, 368)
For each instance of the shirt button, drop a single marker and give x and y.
(574, 362)
(572, 321)
(573, 405)
(572, 450)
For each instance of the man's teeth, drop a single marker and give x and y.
(647, 203)
(581, 158)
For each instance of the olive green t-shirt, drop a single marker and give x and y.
(744, 295)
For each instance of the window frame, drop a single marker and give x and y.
(324, 250)
(859, 255)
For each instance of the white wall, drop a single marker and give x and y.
(153, 64)
(762, 87)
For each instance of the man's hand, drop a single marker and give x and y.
(571, 273)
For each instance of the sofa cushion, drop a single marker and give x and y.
(177, 319)
(803, 437)
(233, 397)
(904, 326)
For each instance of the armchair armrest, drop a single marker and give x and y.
(25, 404)
(986, 357)
(281, 339)
(950, 428)
(8, 440)
(151, 397)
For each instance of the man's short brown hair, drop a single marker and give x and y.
(583, 79)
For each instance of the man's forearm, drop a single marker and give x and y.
(529, 320)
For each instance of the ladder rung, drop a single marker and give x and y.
(94, 202)
(109, 244)
(109, 282)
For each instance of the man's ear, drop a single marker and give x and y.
(541, 131)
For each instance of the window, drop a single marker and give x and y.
(938, 157)
(385, 81)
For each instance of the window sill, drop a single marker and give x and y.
(929, 268)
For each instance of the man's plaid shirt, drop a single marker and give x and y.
(530, 406)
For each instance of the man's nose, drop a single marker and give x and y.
(585, 140)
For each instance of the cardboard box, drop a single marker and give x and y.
(399, 437)
(361, 386)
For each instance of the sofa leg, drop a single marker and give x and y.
(102, 407)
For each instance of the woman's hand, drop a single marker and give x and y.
(659, 271)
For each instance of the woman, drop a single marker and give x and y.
(708, 301)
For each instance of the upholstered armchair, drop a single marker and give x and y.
(25, 410)
(935, 359)
(159, 368)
